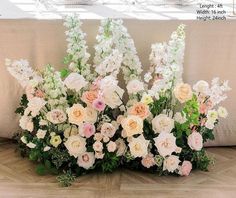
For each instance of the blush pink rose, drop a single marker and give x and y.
(87, 130)
(203, 108)
(186, 168)
(195, 141)
(148, 161)
(98, 104)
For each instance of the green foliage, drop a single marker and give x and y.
(66, 179)
(158, 105)
(202, 160)
(191, 110)
(23, 104)
(109, 162)
(59, 157)
(64, 73)
(207, 134)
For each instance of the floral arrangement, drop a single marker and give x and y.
(75, 121)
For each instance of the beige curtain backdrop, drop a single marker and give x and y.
(210, 51)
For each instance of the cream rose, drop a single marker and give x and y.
(121, 147)
(222, 112)
(201, 87)
(77, 114)
(134, 86)
(56, 116)
(165, 143)
(132, 125)
(75, 145)
(195, 141)
(139, 146)
(171, 163)
(26, 123)
(162, 123)
(91, 115)
(183, 92)
(111, 146)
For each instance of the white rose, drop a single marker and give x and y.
(75, 81)
(86, 160)
(108, 130)
(26, 123)
(112, 98)
(180, 118)
(134, 86)
(195, 141)
(56, 116)
(35, 105)
(201, 87)
(111, 146)
(139, 146)
(75, 145)
(41, 134)
(222, 112)
(31, 145)
(165, 143)
(162, 123)
(171, 163)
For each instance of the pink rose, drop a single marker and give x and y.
(87, 130)
(148, 161)
(195, 141)
(98, 104)
(186, 168)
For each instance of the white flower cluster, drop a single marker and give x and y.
(54, 88)
(21, 70)
(112, 34)
(77, 49)
(111, 64)
(167, 62)
(217, 91)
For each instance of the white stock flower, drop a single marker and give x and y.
(222, 112)
(165, 143)
(31, 145)
(171, 163)
(23, 139)
(139, 146)
(201, 87)
(75, 145)
(162, 123)
(134, 86)
(86, 160)
(26, 123)
(75, 81)
(46, 148)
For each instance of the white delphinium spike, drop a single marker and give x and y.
(113, 35)
(22, 71)
(167, 61)
(111, 64)
(78, 56)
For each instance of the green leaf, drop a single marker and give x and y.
(64, 73)
(48, 164)
(41, 169)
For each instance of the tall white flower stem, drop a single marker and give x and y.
(77, 56)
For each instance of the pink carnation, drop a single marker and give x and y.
(186, 168)
(98, 104)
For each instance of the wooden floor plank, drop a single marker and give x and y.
(18, 179)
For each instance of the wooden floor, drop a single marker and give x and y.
(18, 179)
